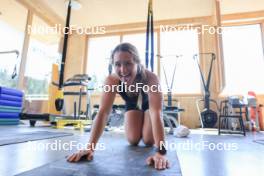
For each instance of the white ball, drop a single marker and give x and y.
(181, 131)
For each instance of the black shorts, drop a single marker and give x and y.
(133, 106)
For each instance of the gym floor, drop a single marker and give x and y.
(201, 154)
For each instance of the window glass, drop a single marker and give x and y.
(139, 41)
(12, 27)
(99, 52)
(42, 53)
(187, 77)
(243, 58)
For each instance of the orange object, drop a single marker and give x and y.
(260, 116)
(256, 112)
(53, 90)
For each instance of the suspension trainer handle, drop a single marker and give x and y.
(213, 57)
(149, 51)
(174, 70)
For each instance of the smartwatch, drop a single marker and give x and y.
(161, 150)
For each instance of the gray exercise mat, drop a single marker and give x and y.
(118, 159)
(14, 138)
(259, 141)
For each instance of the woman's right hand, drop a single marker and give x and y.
(82, 154)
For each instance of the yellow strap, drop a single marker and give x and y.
(59, 94)
(150, 7)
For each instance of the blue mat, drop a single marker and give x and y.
(10, 98)
(8, 115)
(10, 103)
(10, 110)
(10, 91)
(9, 121)
(11, 107)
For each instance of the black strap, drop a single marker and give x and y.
(166, 79)
(169, 87)
(149, 33)
(200, 70)
(206, 83)
(65, 45)
(14, 74)
(210, 71)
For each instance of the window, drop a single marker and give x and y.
(12, 27)
(187, 77)
(99, 52)
(244, 62)
(139, 41)
(42, 53)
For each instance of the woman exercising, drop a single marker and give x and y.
(143, 118)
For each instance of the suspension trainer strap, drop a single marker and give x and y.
(210, 71)
(59, 97)
(166, 79)
(65, 45)
(196, 56)
(174, 70)
(150, 38)
(147, 44)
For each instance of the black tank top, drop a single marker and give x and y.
(139, 102)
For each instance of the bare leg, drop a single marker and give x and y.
(133, 126)
(147, 134)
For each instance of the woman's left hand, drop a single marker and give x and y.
(159, 161)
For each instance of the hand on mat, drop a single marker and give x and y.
(158, 161)
(81, 155)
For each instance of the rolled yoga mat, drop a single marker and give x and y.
(10, 103)
(9, 118)
(10, 108)
(10, 91)
(8, 115)
(10, 98)
(9, 121)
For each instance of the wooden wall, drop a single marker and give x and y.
(208, 43)
(76, 63)
(190, 117)
(77, 52)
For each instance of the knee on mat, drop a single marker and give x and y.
(133, 141)
(148, 142)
